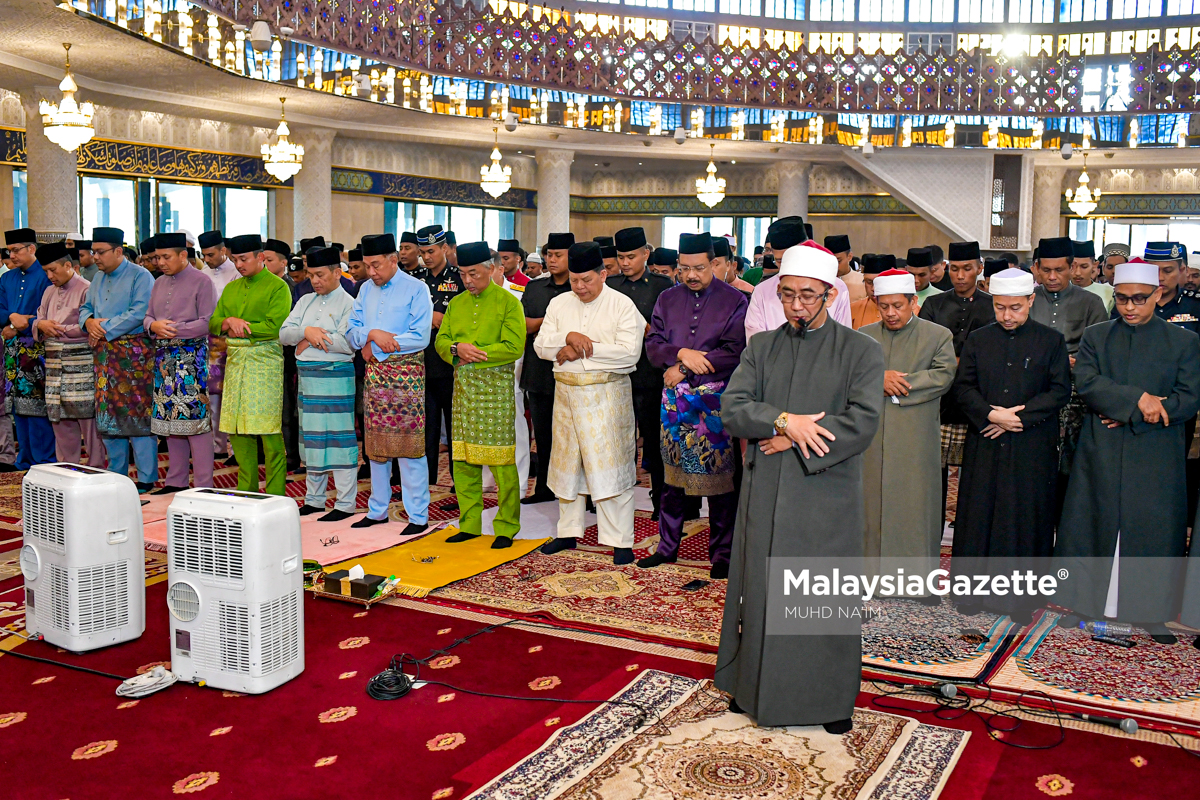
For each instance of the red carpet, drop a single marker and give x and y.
(65, 734)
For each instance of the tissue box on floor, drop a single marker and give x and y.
(340, 582)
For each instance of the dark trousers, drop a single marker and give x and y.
(439, 396)
(291, 414)
(541, 411)
(647, 405)
(1191, 470)
(722, 512)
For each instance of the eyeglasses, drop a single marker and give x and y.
(1136, 299)
(697, 270)
(98, 252)
(806, 297)
(20, 248)
(332, 540)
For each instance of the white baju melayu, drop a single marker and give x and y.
(595, 447)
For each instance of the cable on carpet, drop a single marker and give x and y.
(394, 683)
(137, 686)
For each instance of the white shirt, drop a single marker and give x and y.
(611, 321)
(222, 276)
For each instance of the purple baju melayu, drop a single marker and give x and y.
(699, 456)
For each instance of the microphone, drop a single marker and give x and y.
(1126, 724)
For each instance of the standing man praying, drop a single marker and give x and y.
(482, 335)
(765, 313)
(390, 324)
(643, 288)
(21, 290)
(807, 396)
(866, 311)
(70, 373)
(900, 469)
(697, 334)
(594, 337)
(249, 313)
(839, 245)
(1085, 271)
(181, 304)
(114, 315)
(222, 272)
(920, 265)
(317, 328)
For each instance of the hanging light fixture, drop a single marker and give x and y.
(493, 178)
(710, 189)
(283, 159)
(1083, 200)
(68, 123)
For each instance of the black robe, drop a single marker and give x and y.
(1130, 479)
(792, 506)
(1006, 485)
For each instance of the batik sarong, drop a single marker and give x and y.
(70, 381)
(181, 388)
(484, 415)
(25, 376)
(394, 407)
(253, 404)
(327, 415)
(595, 447)
(954, 441)
(124, 385)
(697, 451)
(216, 364)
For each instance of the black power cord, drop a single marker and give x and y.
(63, 664)
(394, 683)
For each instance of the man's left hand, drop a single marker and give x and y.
(672, 377)
(19, 321)
(895, 384)
(316, 337)
(580, 343)
(695, 361)
(567, 353)
(776, 444)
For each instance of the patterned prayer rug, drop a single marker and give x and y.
(696, 748)
(1155, 680)
(933, 641)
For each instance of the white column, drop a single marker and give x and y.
(793, 188)
(553, 194)
(312, 195)
(53, 174)
(1047, 203)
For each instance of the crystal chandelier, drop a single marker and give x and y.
(493, 178)
(283, 159)
(68, 123)
(710, 189)
(1083, 201)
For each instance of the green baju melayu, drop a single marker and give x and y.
(484, 407)
(252, 403)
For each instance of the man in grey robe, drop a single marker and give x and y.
(1124, 524)
(807, 396)
(902, 467)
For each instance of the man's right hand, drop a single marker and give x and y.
(48, 327)
(894, 383)
(696, 361)
(163, 328)
(672, 377)
(386, 341)
(806, 433)
(1152, 409)
(565, 354)
(95, 329)
(237, 328)
(1006, 419)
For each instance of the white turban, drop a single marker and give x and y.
(895, 284)
(803, 261)
(1136, 272)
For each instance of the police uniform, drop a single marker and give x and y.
(439, 375)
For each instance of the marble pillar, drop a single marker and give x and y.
(1047, 203)
(793, 188)
(312, 196)
(53, 174)
(553, 194)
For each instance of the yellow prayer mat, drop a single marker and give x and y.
(431, 562)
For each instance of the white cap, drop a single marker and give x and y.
(74, 236)
(188, 237)
(533, 258)
(895, 284)
(805, 261)
(1011, 283)
(1136, 273)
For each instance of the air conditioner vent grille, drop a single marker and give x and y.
(280, 632)
(60, 598)
(42, 515)
(103, 592)
(183, 602)
(234, 637)
(207, 546)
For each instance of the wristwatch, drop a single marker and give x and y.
(781, 423)
(454, 350)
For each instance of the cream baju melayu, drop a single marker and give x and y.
(595, 449)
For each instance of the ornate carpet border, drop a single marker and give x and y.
(634, 645)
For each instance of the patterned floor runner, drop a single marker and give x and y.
(699, 749)
(933, 641)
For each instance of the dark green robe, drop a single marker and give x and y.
(790, 506)
(1130, 479)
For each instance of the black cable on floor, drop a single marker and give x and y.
(63, 664)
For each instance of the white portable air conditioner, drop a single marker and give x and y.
(235, 589)
(83, 556)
